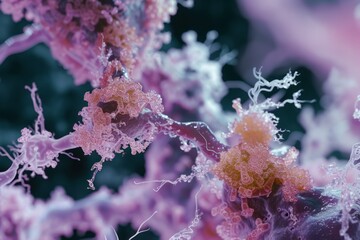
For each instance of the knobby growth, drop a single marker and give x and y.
(199, 182)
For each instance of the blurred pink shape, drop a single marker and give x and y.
(322, 37)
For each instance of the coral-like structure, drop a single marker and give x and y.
(201, 180)
(105, 120)
(250, 169)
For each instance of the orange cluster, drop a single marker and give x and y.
(254, 129)
(251, 170)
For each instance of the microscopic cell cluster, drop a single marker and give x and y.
(216, 160)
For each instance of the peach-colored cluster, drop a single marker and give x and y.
(251, 170)
(128, 95)
(124, 37)
(108, 109)
(253, 129)
(88, 138)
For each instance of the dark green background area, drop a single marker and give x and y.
(62, 100)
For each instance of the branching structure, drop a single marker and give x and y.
(201, 181)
